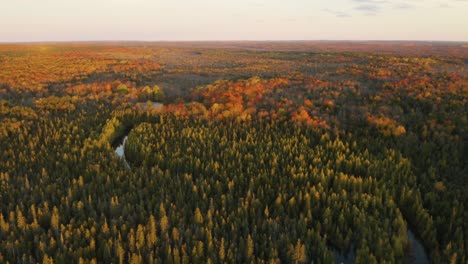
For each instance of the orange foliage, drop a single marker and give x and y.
(302, 117)
(386, 126)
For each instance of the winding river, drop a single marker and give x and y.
(120, 151)
(120, 144)
(415, 254)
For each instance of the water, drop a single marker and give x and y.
(120, 149)
(416, 254)
(345, 258)
(147, 105)
(120, 152)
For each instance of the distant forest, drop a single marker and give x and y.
(234, 152)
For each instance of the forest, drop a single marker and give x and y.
(234, 152)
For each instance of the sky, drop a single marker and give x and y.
(173, 20)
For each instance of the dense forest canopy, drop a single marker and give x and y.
(291, 152)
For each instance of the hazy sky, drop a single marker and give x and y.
(42, 20)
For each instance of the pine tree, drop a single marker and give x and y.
(55, 219)
(20, 219)
(164, 224)
(198, 216)
(140, 237)
(222, 253)
(250, 247)
(299, 252)
(152, 232)
(47, 260)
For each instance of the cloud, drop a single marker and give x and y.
(337, 13)
(369, 10)
(373, 7)
(403, 6)
(370, 7)
(429, 3)
(357, 8)
(376, 2)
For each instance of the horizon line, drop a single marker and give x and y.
(234, 40)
